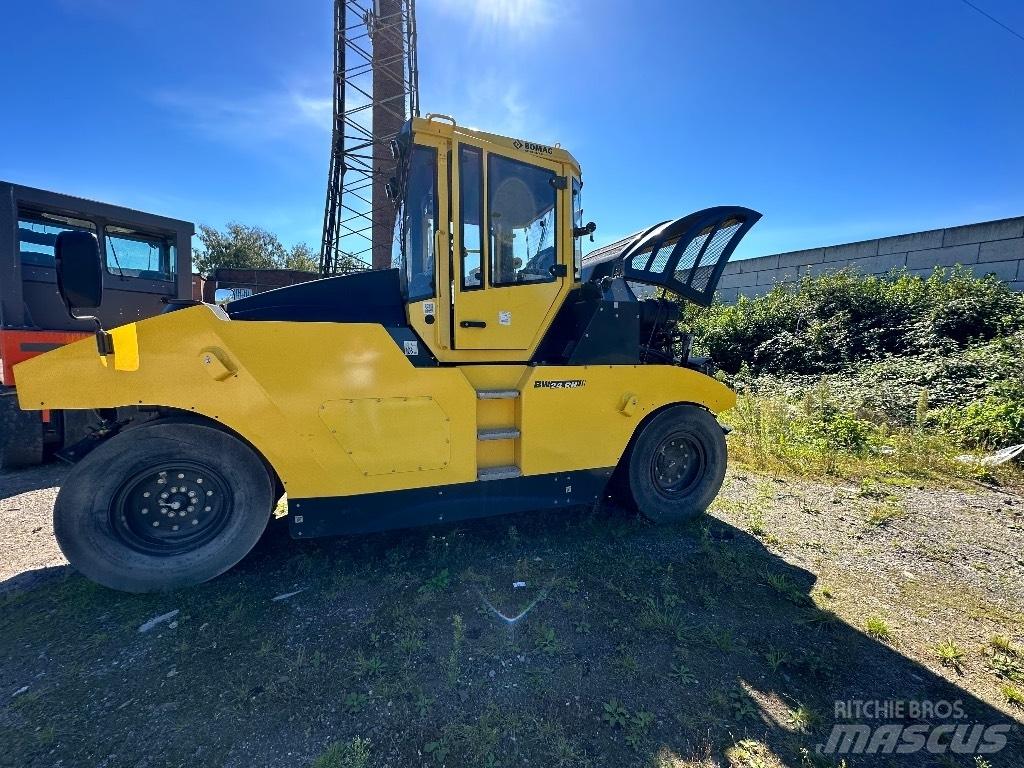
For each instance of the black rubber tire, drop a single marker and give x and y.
(701, 432)
(82, 516)
(21, 435)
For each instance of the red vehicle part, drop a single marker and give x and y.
(16, 346)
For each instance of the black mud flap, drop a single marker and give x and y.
(687, 255)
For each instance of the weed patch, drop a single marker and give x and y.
(877, 628)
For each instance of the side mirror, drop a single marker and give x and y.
(79, 270)
(80, 279)
(223, 295)
(589, 229)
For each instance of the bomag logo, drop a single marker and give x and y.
(529, 146)
(559, 384)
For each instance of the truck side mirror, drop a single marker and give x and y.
(223, 295)
(80, 279)
(79, 270)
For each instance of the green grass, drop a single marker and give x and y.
(950, 654)
(801, 719)
(1013, 695)
(1004, 645)
(883, 513)
(771, 434)
(348, 754)
(614, 714)
(877, 628)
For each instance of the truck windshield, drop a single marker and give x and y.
(416, 222)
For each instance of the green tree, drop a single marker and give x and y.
(301, 257)
(238, 247)
(241, 246)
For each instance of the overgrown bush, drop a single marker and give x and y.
(828, 323)
(995, 421)
(843, 363)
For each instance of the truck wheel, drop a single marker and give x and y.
(677, 464)
(162, 506)
(21, 435)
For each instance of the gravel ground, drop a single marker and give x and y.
(727, 642)
(26, 509)
(934, 563)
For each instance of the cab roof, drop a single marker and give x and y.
(446, 127)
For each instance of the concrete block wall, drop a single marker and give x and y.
(995, 247)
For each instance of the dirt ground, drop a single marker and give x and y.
(728, 641)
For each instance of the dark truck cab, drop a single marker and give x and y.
(147, 263)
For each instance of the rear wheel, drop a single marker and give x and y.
(162, 506)
(677, 464)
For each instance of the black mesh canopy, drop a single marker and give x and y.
(686, 256)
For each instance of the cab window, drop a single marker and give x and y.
(471, 215)
(131, 253)
(37, 234)
(521, 209)
(417, 223)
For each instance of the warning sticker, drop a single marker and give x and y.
(411, 347)
(428, 308)
(504, 318)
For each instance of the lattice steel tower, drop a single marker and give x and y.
(376, 89)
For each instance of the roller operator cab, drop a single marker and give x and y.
(494, 369)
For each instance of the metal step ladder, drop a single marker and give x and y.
(498, 440)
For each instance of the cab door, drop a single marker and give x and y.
(509, 247)
(421, 243)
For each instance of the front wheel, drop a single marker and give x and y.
(162, 506)
(677, 464)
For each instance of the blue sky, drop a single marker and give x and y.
(838, 120)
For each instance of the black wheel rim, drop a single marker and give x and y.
(171, 508)
(678, 465)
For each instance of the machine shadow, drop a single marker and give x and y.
(699, 625)
(767, 662)
(17, 481)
